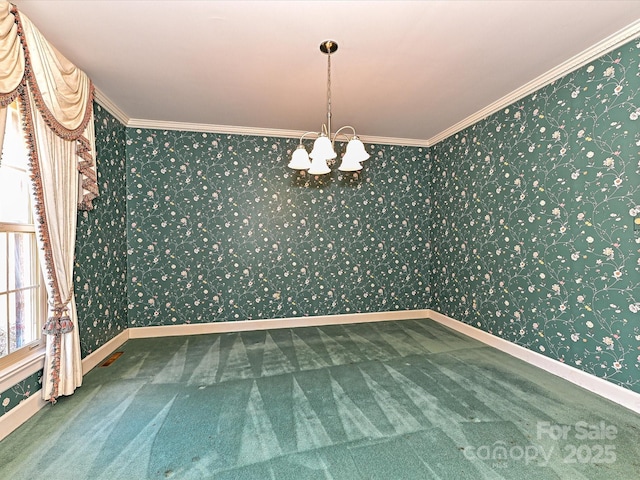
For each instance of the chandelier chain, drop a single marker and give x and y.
(329, 95)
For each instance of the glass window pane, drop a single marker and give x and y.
(3, 262)
(12, 322)
(31, 330)
(15, 200)
(22, 319)
(11, 260)
(4, 338)
(20, 297)
(14, 150)
(21, 260)
(31, 264)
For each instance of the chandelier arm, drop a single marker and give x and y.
(307, 133)
(342, 128)
(335, 136)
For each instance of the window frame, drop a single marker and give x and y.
(27, 358)
(41, 302)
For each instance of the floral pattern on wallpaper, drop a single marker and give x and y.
(101, 263)
(533, 217)
(24, 389)
(221, 230)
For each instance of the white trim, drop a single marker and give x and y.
(93, 359)
(604, 388)
(610, 43)
(18, 371)
(111, 107)
(28, 407)
(291, 322)
(403, 142)
(212, 128)
(21, 413)
(620, 395)
(260, 132)
(605, 46)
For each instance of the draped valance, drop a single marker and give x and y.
(62, 94)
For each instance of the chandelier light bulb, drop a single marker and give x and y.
(356, 148)
(319, 166)
(349, 164)
(300, 159)
(322, 148)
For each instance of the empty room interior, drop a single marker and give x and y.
(320, 240)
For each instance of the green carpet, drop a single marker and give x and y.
(391, 400)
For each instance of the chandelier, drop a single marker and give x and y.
(324, 145)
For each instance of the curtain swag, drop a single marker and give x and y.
(62, 92)
(56, 108)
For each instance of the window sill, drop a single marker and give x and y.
(16, 372)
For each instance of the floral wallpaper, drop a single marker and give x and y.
(521, 225)
(19, 392)
(100, 267)
(221, 230)
(101, 262)
(533, 214)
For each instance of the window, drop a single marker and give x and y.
(22, 294)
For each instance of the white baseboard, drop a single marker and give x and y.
(620, 395)
(291, 322)
(21, 413)
(93, 359)
(604, 388)
(30, 406)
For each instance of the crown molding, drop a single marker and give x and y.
(260, 132)
(610, 43)
(212, 128)
(404, 142)
(111, 107)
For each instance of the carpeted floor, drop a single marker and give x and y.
(391, 400)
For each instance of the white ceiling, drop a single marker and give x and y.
(404, 69)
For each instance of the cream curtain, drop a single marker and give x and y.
(56, 105)
(3, 122)
(63, 368)
(12, 62)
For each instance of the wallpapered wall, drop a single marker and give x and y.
(221, 230)
(531, 228)
(101, 265)
(101, 260)
(532, 221)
